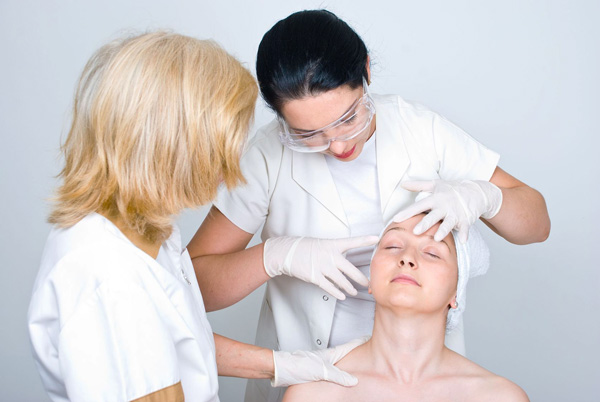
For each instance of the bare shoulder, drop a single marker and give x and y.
(312, 391)
(501, 389)
(316, 390)
(483, 385)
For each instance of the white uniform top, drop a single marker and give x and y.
(294, 194)
(356, 183)
(109, 323)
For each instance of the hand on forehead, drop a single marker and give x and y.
(413, 271)
(408, 226)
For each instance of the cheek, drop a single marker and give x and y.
(360, 144)
(453, 275)
(447, 280)
(378, 273)
(376, 265)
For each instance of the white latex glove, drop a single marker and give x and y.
(313, 365)
(318, 261)
(458, 203)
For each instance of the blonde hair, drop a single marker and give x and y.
(159, 120)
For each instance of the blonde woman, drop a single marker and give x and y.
(116, 314)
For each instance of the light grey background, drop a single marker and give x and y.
(520, 76)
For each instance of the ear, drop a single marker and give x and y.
(368, 69)
(454, 303)
(369, 290)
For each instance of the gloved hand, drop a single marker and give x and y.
(318, 261)
(314, 365)
(458, 203)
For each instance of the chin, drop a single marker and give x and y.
(397, 300)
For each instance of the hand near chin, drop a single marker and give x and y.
(318, 261)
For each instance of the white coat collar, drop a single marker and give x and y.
(311, 172)
(165, 279)
(392, 157)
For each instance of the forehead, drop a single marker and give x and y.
(314, 112)
(410, 223)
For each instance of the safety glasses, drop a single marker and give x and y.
(351, 125)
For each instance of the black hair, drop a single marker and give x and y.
(308, 53)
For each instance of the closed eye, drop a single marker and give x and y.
(394, 246)
(304, 136)
(350, 119)
(432, 255)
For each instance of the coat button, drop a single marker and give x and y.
(325, 297)
(319, 342)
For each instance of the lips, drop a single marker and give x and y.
(407, 279)
(346, 155)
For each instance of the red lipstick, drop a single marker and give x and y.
(346, 155)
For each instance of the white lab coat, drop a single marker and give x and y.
(293, 194)
(109, 323)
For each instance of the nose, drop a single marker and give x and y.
(406, 260)
(337, 147)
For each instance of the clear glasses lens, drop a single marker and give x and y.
(349, 126)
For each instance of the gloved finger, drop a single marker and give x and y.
(340, 281)
(463, 234)
(351, 271)
(346, 244)
(414, 209)
(428, 221)
(334, 355)
(418, 185)
(447, 225)
(331, 289)
(334, 374)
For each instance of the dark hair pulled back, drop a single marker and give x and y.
(308, 53)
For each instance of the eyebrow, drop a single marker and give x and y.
(399, 228)
(354, 104)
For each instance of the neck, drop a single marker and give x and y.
(406, 345)
(147, 246)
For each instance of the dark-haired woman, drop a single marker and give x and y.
(332, 165)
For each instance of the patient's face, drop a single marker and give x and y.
(414, 271)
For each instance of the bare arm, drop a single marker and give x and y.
(523, 217)
(237, 359)
(172, 393)
(226, 271)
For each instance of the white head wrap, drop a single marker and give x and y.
(473, 259)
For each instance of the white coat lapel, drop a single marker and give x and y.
(392, 157)
(165, 284)
(311, 172)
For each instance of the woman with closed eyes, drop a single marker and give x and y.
(419, 286)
